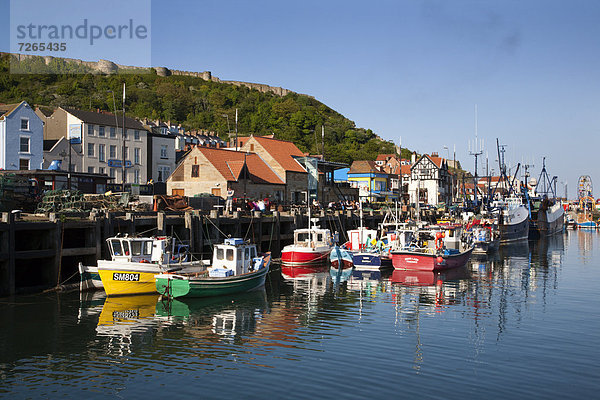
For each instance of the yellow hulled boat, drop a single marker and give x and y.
(135, 261)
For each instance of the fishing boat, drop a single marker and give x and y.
(236, 267)
(89, 277)
(547, 212)
(341, 255)
(135, 260)
(485, 236)
(311, 247)
(513, 219)
(433, 249)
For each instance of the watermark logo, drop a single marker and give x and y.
(71, 36)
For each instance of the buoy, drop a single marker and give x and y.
(440, 260)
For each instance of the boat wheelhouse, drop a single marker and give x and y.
(135, 260)
(311, 246)
(236, 267)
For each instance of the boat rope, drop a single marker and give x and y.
(249, 226)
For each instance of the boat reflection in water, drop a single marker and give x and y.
(434, 288)
(223, 317)
(128, 321)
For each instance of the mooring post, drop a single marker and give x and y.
(161, 227)
(189, 227)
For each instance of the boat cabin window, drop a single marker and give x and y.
(247, 256)
(319, 237)
(136, 247)
(303, 236)
(220, 253)
(229, 254)
(116, 247)
(239, 254)
(147, 248)
(253, 252)
(126, 248)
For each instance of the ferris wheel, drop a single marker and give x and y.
(584, 187)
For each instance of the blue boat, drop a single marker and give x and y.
(341, 254)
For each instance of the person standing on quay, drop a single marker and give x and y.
(229, 202)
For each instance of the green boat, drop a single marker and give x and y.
(236, 268)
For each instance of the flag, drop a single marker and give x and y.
(123, 93)
(236, 115)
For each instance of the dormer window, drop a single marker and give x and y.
(24, 124)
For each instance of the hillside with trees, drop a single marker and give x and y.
(195, 104)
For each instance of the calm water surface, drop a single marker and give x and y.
(524, 323)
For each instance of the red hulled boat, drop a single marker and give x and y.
(311, 247)
(433, 250)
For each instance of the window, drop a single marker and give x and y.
(136, 247)
(251, 146)
(125, 134)
(113, 174)
(90, 170)
(90, 151)
(163, 152)
(23, 164)
(136, 156)
(229, 255)
(195, 171)
(126, 150)
(116, 247)
(136, 176)
(102, 152)
(219, 253)
(101, 170)
(24, 124)
(24, 145)
(113, 132)
(112, 151)
(101, 131)
(90, 130)
(136, 135)
(163, 173)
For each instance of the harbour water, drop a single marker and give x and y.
(524, 323)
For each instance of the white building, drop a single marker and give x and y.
(147, 155)
(430, 181)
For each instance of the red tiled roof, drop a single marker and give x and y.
(406, 170)
(384, 157)
(363, 167)
(230, 164)
(282, 151)
(437, 161)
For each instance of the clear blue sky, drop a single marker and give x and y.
(413, 69)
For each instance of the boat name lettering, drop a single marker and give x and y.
(411, 260)
(121, 276)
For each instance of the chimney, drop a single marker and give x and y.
(413, 158)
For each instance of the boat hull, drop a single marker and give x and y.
(548, 222)
(89, 278)
(486, 247)
(174, 286)
(342, 255)
(366, 260)
(406, 259)
(299, 256)
(126, 278)
(514, 231)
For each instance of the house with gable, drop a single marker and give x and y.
(216, 170)
(21, 137)
(282, 157)
(430, 181)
